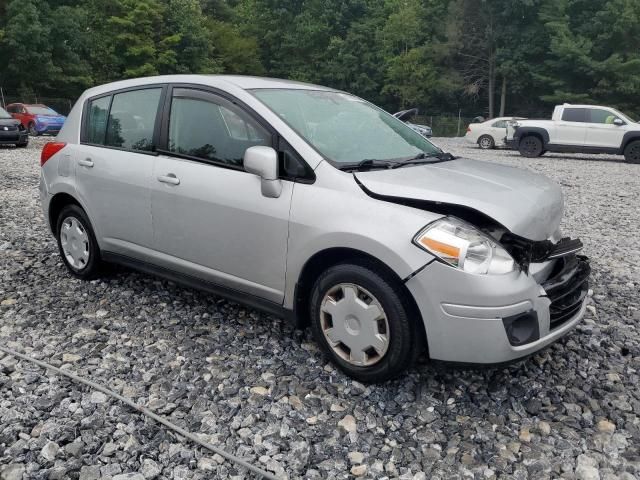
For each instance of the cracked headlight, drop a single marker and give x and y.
(463, 246)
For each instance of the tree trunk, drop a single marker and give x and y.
(492, 80)
(503, 96)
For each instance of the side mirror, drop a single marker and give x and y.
(263, 162)
(618, 122)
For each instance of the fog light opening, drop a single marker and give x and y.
(522, 328)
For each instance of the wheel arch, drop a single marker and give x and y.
(329, 257)
(539, 132)
(57, 203)
(627, 139)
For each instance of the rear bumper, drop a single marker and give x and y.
(480, 319)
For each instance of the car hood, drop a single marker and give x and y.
(8, 121)
(528, 204)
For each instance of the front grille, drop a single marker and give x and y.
(567, 287)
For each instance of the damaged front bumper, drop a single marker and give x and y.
(493, 319)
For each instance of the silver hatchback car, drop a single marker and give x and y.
(316, 205)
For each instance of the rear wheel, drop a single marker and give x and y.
(486, 142)
(632, 152)
(530, 146)
(362, 321)
(77, 243)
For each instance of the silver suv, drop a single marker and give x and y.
(316, 205)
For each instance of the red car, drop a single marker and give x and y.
(37, 119)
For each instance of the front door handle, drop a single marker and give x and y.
(87, 162)
(170, 178)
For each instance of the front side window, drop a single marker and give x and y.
(344, 128)
(97, 112)
(200, 126)
(598, 115)
(132, 119)
(12, 109)
(574, 115)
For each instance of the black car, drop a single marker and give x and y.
(405, 115)
(11, 130)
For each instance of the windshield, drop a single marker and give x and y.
(627, 117)
(343, 128)
(35, 110)
(4, 113)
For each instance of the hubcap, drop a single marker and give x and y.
(354, 324)
(530, 146)
(75, 243)
(485, 143)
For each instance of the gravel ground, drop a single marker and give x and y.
(250, 383)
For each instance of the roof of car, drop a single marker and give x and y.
(239, 81)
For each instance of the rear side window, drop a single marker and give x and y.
(132, 119)
(207, 128)
(574, 115)
(11, 109)
(98, 110)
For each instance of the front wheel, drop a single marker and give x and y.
(77, 243)
(530, 146)
(362, 320)
(632, 152)
(32, 130)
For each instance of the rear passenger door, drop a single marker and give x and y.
(114, 164)
(210, 219)
(572, 129)
(499, 131)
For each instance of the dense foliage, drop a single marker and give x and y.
(479, 56)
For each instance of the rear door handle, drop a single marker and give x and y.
(87, 162)
(170, 178)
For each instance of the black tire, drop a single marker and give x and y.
(530, 146)
(632, 152)
(486, 142)
(32, 130)
(92, 268)
(405, 337)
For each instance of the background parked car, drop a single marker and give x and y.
(38, 119)
(11, 130)
(491, 133)
(404, 115)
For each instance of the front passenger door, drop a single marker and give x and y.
(602, 132)
(210, 219)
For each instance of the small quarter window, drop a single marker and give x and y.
(98, 110)
(574, 115)
(500, 124)
(132, 119)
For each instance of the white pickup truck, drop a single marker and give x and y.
(578, 129)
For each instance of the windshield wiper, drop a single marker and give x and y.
(425, 158)
(367, 164)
